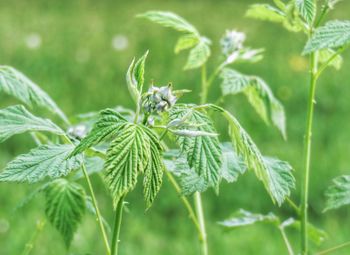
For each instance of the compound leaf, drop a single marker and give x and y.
(186, 42)
(169, 19)
(65, 207)
(259, 95)
(334, 34)
(198, 55)
(105, 127)
(307, 9)
(16, 84)
(245, 218)
(338, 194)
(232, 164)
(17, 119)
(203, 152)
(44, 161)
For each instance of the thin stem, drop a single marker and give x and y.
(117, 224)
(286, 241)
(215, 73)
(98, 214)
(307, 155)
(329, 61)
(333, 248)
(204, 90)
(185, 201)
(293, 205)
(201, 221)
(30, 245)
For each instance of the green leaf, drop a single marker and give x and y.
(154, 172)
(232, 164)
(334, 34)
(245, 218)
(44, 161)
(307, 9)
(203, 152)
(16, 120)
(325, 54)
(16, 84)
(276, 179)
(65, 207)
(169, 19)
(105, 127)
(135, 77)
(198, 55)
(338, 194)
(93, 165)
(265, 12)
(186, 42)
(259, 95)
(127, 157)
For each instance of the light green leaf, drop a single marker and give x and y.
(127, 156)
(245, 218)
(265, 12)
(259, 95)
(307, 9)
(44, 161)
(186, 42)
(16, 84)
(338, 194)
(135, 77)
(203, 152)
(65, 207)
(325, 54)
(105, 127)
(169, 19)
(16, 120)
(198, 55)
(93, 165)
(232, 164)
(276, 180)
(154, 172)
(334, 34)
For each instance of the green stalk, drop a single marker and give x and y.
(117, 224)
(334, 248)
(307, 155)
(201, 221)
(30, 245)
(286, 241)
(98, 214)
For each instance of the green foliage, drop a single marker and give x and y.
(265, 12)
(276, 176)
(338, 194)
(259, 95)
(65, 207)
(326, 54)
(16, 120)
(232, 164)
(44, 161)
(334, 34)
(307, 9)
(203, 153)
(199, 45)
(93, 165)
(135, 78)
(245, 218)
(105, 127)
(135, 150)
(16, 84)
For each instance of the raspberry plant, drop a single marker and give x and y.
(163, 135)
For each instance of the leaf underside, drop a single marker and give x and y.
(338, 194)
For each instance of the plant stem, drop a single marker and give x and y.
(307, 155)
(185, 201)
(201, 221)
(333, 248)
(204, 90)
(286, 241)
(117, 224)
(98, 214)
(30, 245)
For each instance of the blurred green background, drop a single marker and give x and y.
(78, 51)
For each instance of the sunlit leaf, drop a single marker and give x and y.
(338, 194)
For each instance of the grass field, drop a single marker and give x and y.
(78, 51)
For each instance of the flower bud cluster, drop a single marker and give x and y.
(158, 99)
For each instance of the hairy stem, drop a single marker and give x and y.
(185, 201)
(30, 245)
(286, 241)
(307, 155)
(333, 248)
(98, 214)
(201, 221)
(117, 224)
